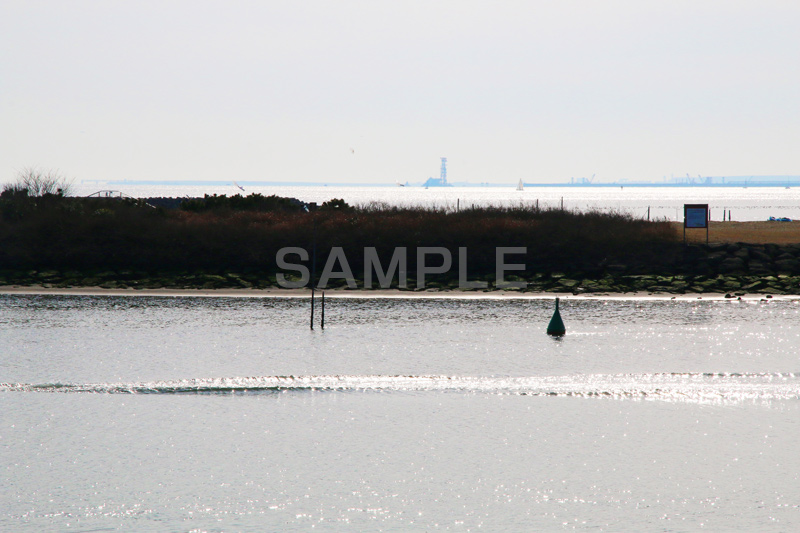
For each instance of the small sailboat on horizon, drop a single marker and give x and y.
(520, 186)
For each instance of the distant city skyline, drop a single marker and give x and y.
(366, 92)
(706, 181)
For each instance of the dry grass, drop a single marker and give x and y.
(760, 232)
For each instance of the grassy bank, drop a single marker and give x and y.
(81, 238)
(220, 242)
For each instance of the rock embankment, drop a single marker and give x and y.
(715, 268)
(752, 259)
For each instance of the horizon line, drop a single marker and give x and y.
(708, 181)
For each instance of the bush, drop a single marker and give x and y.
(336, 204)
(252, 202)
(33, 190)
(35, 183)
(244, 234)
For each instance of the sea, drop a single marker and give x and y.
(178, 413)
(736, 203)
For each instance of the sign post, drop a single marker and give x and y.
(695, 216)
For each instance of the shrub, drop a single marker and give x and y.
(336, 204)
(34, 182)
(244, 234)
(252, 202)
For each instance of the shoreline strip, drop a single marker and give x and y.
(378, 294)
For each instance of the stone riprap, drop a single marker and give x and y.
(734, 269)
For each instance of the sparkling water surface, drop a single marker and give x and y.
(229, 414)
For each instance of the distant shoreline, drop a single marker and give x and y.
(378, 294)
(740, 182)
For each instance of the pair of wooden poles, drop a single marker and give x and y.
(322, 313)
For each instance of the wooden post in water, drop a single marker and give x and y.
(312, 307)
(322, 318)
(313, 269)
(648, 213)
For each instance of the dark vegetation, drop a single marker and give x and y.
(254, 203)
(49, 238)
(224, 234)
(52, 239)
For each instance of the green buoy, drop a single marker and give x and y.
(556, 325)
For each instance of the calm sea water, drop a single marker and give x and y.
(744, 204)
(229, 414)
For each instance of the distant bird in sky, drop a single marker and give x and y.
(352, 151)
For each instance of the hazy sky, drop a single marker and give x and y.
(377, 91)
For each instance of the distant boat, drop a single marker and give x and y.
(520, 186)
(400, 184)
(242, 188)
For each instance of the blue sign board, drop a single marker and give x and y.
(695, 216)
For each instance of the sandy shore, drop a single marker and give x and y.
(344, 293)
(755, 232)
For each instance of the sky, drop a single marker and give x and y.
(376, 91)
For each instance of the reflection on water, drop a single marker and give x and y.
(112, 339)
(685, 387)
(217, 414)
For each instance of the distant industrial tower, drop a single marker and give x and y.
(441, 181)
